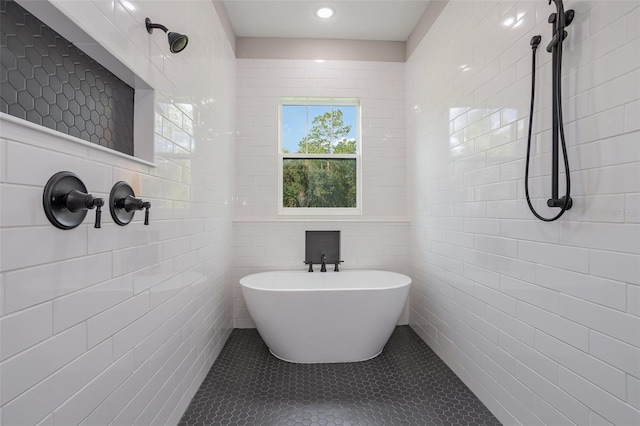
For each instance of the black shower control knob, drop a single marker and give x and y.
(123, 204)
(76, 201)
(131, 203)
(66, 200)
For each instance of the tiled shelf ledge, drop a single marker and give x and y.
(144, 95)
(19, 130)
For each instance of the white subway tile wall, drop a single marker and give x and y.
(377, 239)
(545, 325)
(121, 324)
(380, 88)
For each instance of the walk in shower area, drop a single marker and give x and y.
(478, 161)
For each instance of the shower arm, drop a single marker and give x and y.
(150, 26)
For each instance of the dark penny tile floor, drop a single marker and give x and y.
(406, 385)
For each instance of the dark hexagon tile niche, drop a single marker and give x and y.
(406, 385)
(46, 80)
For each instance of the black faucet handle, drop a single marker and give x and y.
(338, 262)
(98, 203)
(146, 205)
(98, 217)
(310, 263)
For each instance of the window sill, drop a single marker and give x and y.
(319, 212)
(324, 219)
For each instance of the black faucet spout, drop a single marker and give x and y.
(323, 263)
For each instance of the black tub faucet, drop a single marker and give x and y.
(323, 263)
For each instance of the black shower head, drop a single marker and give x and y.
(177, 41)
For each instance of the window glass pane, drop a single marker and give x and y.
(344, 141)
(294, 127)
(319, 183)
(319, 129)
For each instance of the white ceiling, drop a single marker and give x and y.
(390, 20)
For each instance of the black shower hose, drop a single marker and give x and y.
(558, 77)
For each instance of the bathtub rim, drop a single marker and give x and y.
(406, 281)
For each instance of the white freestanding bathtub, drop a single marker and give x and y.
(323, 317)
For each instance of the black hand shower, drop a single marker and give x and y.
(560, 20)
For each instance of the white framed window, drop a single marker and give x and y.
(319, 156)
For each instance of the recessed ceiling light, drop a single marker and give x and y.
(324, 12)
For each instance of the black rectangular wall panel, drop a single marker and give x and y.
(318, 243)
(46, 80)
